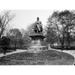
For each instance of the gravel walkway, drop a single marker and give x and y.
(17, 51)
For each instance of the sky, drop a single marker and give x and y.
(24, 18)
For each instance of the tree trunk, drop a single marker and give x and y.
(62, 42)
(68, 40)
(15, 44)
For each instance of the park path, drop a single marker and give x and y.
(17, 51)
(72, 52)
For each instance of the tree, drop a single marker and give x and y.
(51, 36)
(5, 18)
(15, 36)
(26, 40)
(5, 42)
(62, 23)
(52, 29)
(67, 18)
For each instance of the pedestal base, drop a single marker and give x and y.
(37, 49)
(36, 46)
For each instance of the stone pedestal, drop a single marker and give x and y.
(36, 43)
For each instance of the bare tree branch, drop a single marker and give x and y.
(5, 18)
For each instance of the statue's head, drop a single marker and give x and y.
(37, 18)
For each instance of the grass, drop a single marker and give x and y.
(49, 57)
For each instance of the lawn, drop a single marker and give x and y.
(49, 57)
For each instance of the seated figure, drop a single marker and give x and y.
(38, 26)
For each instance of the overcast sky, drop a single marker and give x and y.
(24, 18)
